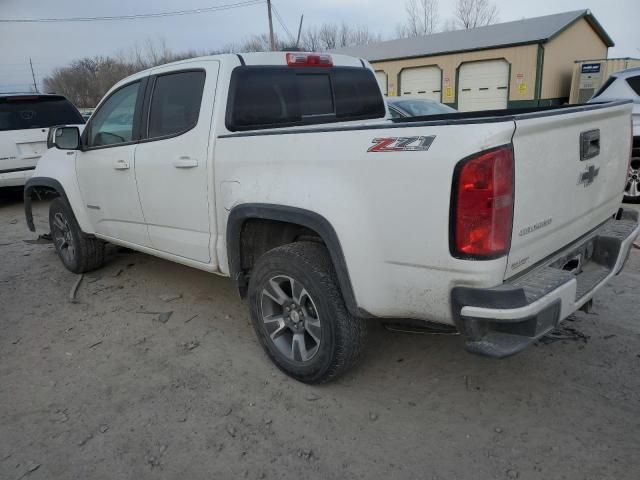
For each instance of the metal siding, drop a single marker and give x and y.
(578, 42)
(522, 60)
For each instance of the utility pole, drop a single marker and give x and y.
(271, 38)
(33, 75)
(299, 31)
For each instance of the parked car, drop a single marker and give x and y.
(282, 171)
(621, 86)
(401, 107)
(24, 123)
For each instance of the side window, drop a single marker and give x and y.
(112, 123)
(394, 113)
(604, 86)
(175, 104)
(634, 83)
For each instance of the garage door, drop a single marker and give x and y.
(382, 81)
(483, 85)
(425, 82)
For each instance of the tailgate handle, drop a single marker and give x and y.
(589, 144)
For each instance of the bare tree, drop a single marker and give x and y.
(311, 39)
(362, 36)
(476, 13)
(450, 24)
(422, 18)
(329, 36)
(85, 81)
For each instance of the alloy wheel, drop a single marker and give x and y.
(290, 318)
(63, 238)
(633, 182)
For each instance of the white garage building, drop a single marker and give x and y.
(515, 64)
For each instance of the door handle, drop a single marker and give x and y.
(121, 165)
(185, 162)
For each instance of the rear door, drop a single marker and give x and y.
(570, 171)
(24, 124)
(172, 169)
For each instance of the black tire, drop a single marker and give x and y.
(78, 252)
(342, 336)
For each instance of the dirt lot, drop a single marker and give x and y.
(102, 389)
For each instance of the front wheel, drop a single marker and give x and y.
(78, 252)
(299, 315)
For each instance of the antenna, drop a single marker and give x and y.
(299, 31)
(33, 75)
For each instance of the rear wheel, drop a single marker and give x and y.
(78, 252)
(299, 315)
(632, 191)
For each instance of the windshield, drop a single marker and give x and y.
(25, 112)
(416, 108)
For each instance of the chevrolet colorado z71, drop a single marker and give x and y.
(281, 171)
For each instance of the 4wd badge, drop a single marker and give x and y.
(402, 144)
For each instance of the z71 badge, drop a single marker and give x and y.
(402, 144)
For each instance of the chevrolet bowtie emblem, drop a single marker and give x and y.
(587, 178)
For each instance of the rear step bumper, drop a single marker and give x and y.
(504, 320)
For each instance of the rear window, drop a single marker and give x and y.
(25, 112)
(268, 97)
(634, 83)
(175, 104)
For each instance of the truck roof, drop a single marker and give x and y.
(258, 58)
(29, 94)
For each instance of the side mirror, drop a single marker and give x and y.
(64, 138)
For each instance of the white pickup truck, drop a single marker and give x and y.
(282, 171)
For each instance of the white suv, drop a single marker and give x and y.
(625, 85)
(25, 119)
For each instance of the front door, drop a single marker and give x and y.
(172, 168)
(106, 167)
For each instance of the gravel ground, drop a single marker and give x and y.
(109, 388)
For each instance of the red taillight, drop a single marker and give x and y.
(301, 59)
(482, 207)
(22, 98)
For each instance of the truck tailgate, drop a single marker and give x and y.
(21, 149)
(562, 193)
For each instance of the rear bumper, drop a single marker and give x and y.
(504, 320)
(15, 177)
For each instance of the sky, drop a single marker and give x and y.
(52, 45)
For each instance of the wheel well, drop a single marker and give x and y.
(259, 235)
(255, 228)
(42, 192)
(40, 187)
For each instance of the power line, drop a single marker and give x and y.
(217, 8)
(281, 22)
